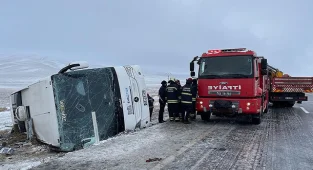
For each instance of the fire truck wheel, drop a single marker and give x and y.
(290, 104)
(266, 109)
(205, 116)
(257, 119)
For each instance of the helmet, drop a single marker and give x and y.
(189, 80)
(163, 82)
(177, 81)
(172, 78)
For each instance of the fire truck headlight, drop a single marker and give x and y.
(201, 102)
(248, 104)
(210, 105)
(233, 106)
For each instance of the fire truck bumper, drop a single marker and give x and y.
(229, 107)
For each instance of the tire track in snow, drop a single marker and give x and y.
(169, 160)
(234, 144)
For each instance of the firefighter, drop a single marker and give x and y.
(162, 100)
(151, 106)
(172, 100)
(186, 100)
(194, 92)
(180, 109)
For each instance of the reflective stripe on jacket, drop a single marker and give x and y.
(186, 95)
(172, 93)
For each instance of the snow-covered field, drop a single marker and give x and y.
(5, 120)
(17, 72)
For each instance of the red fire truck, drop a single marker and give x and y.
(234, 82)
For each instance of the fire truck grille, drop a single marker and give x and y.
(224, 103)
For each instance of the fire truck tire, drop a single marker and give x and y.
(205, 116)
(257, 119)
(290, 104)
(275, 104)
(266, 109)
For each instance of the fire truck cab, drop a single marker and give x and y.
(231, 82)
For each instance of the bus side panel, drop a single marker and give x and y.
(124, 83)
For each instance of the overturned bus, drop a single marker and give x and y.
(72, 110)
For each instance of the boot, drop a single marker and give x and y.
(187, 121)
(177, 119)
(171, 119)
(181, 119)
(192, 116)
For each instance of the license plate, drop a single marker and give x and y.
(288, 97)
(223, 93)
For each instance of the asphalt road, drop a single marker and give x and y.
(284, 140)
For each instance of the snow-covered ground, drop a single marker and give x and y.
(5, 120)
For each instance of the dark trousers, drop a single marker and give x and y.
(173, 109)
(187, 109)
(161, 112)
(151, 111)
(194, 107)
(180, 109)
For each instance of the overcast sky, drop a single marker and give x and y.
(158, 34)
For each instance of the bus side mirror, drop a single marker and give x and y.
(192, 66)
(192, 74)
(264, 64)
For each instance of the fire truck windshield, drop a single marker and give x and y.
(226, 67)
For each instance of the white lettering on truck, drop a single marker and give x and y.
(221, 87)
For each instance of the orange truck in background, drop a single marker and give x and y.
(234, 82)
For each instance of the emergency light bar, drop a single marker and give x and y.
(234, 50)
(227, 50)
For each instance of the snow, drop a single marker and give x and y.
(16, 72)
(25, 165)
(5, 120)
